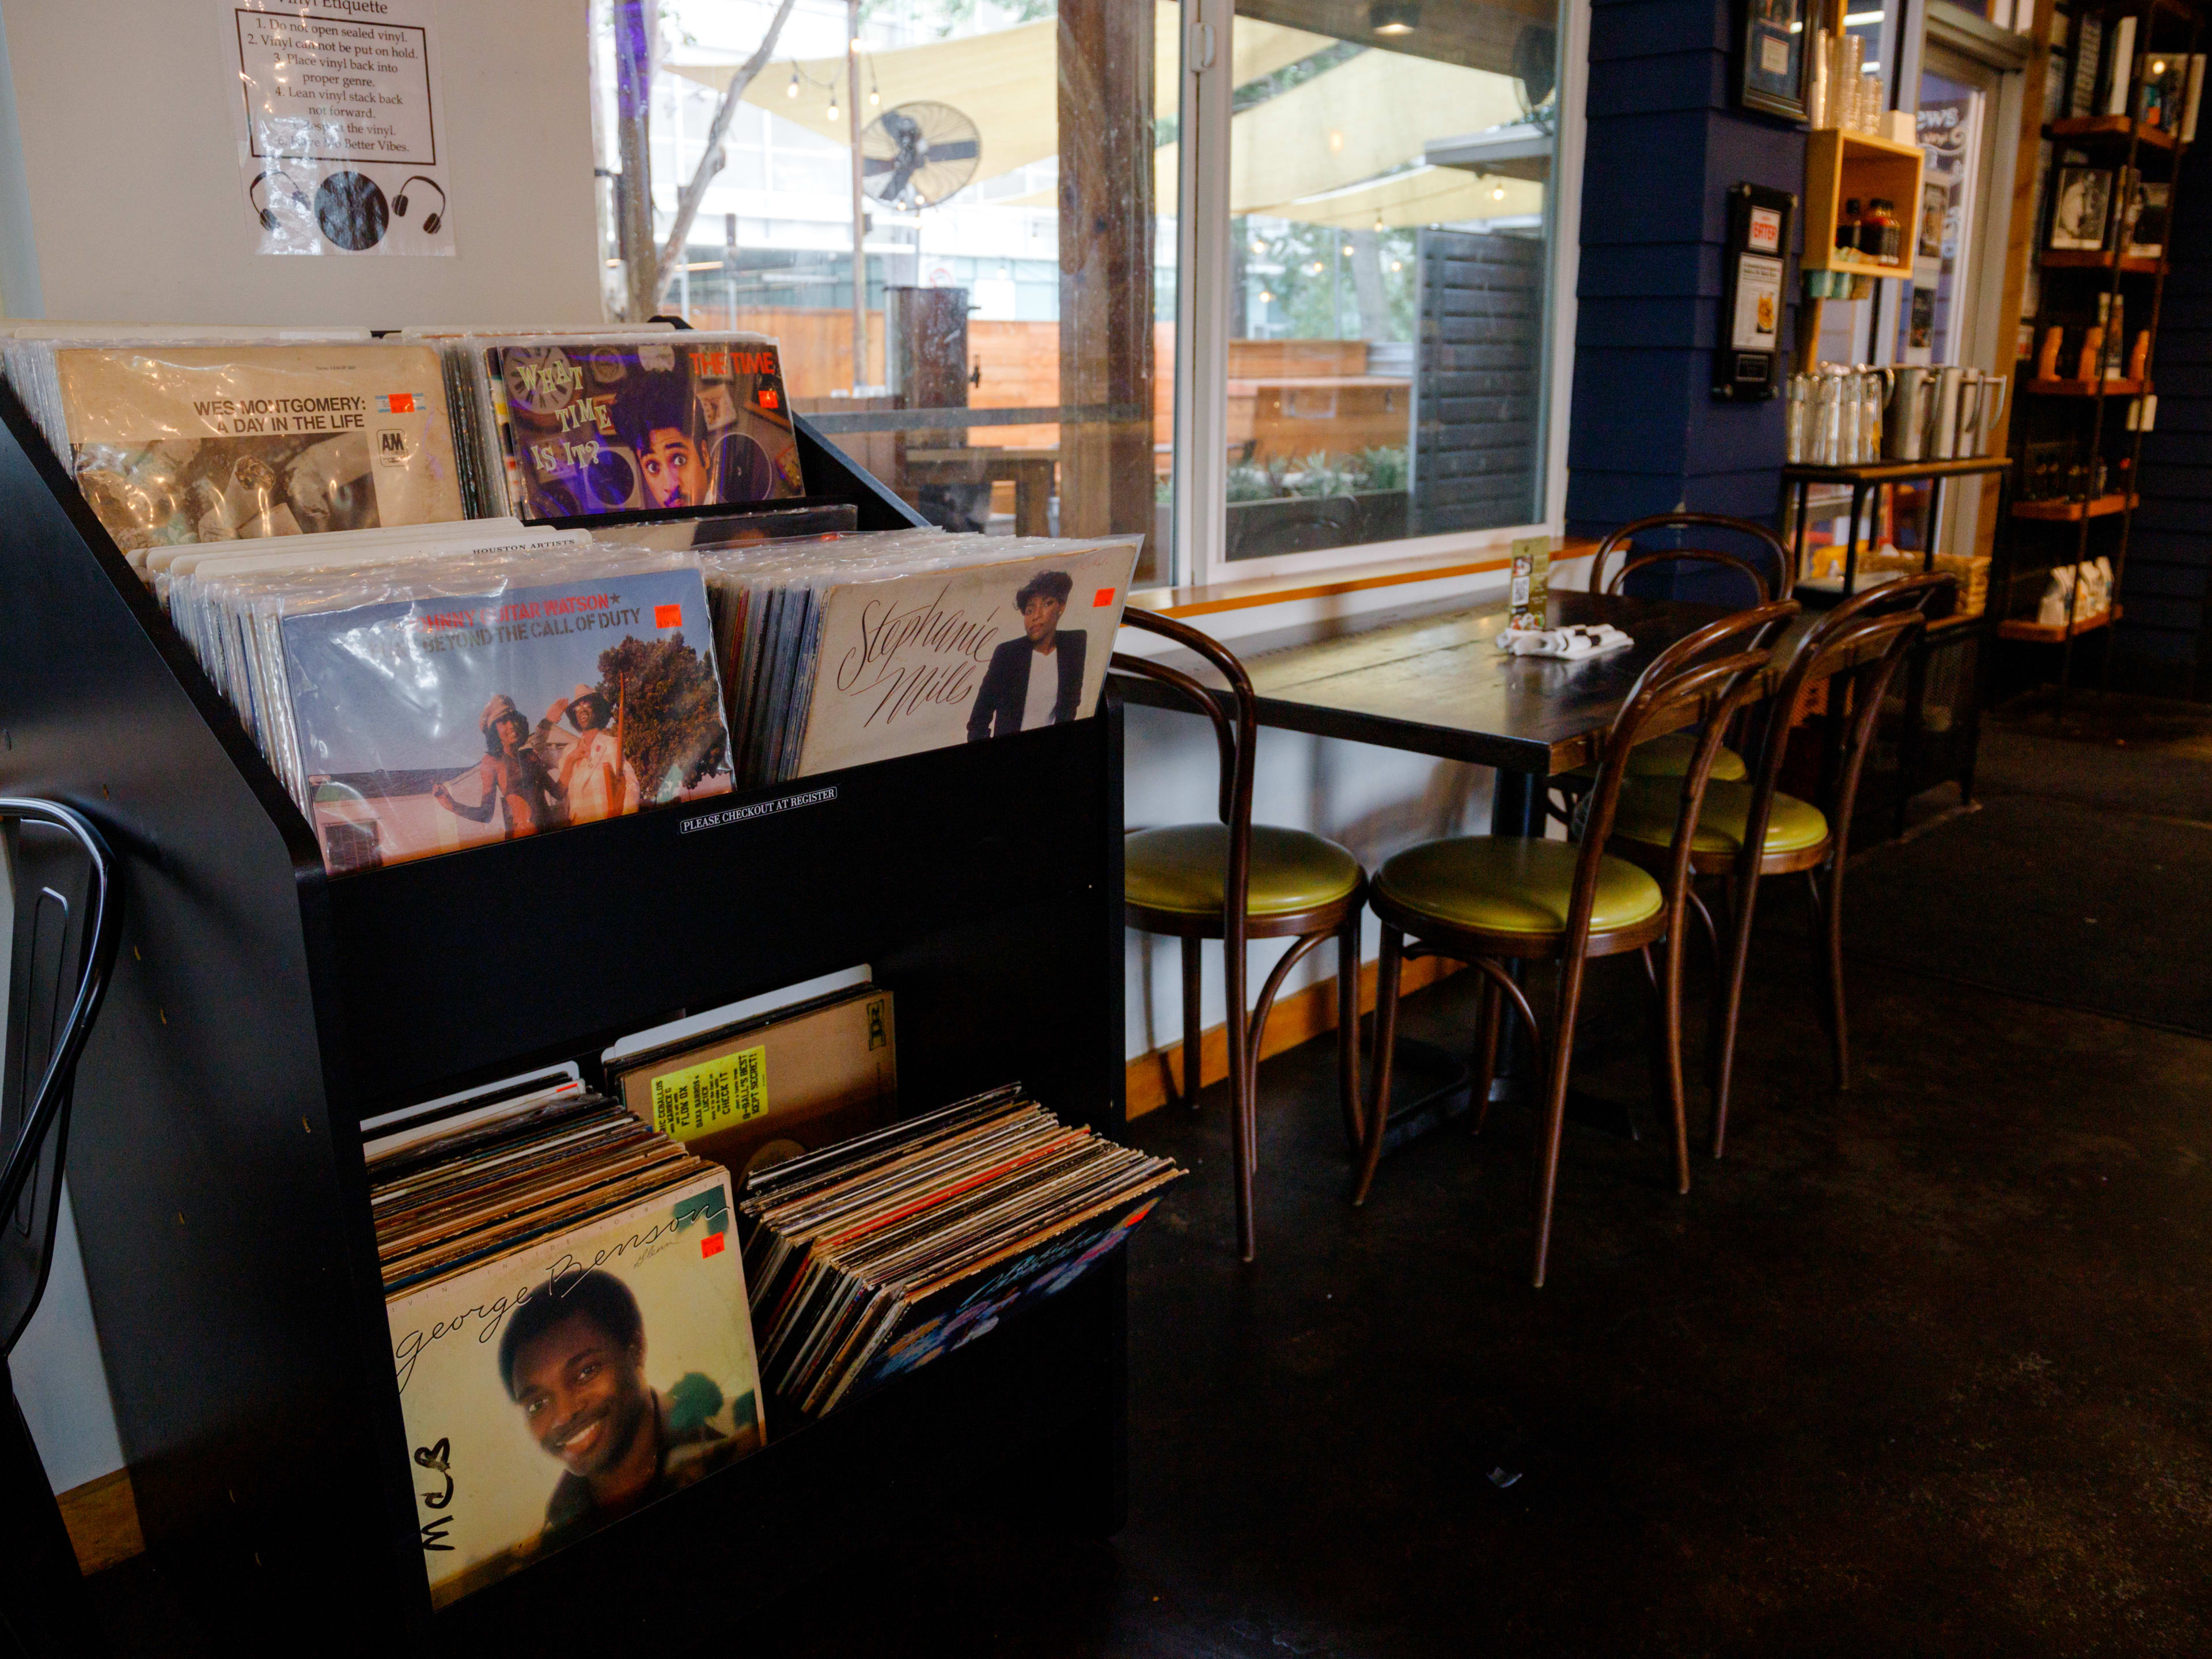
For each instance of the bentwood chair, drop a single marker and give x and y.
(66, 910)
(1237, 881)
(1750, 829)
(1488, 900)
(1669, 755)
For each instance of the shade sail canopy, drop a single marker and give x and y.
(1007, 82)
(1420, 196)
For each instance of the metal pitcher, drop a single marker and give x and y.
(1972, 382)
(1993, 407)
(1944, 441)
(1911, 411)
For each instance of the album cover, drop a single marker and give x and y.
(554, 1389)
(788, 1082)
(951, 1316)
(596, 428)
(946, 656)
(216, 443)
(427, 724)
(2147, 219)
(2081, 209)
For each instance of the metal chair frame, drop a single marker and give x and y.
(1707, 677)
(50, 1015)
(1237, 741)
(1861, 643)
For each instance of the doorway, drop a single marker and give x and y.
(1951, 312)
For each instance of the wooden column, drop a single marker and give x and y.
(1106, 105)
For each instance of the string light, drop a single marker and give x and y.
(832, 106)
(792, 91)
(1266, 297)
(1378, 221)
(1347, 250)
(1498, 193)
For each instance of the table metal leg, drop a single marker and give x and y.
(1434, 1089)
(1851, 541)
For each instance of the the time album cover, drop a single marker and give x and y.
(601, 428)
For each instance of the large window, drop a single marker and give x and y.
(974, 225)
(1390, 216)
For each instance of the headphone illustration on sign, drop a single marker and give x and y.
(430, 221)
(268, 214)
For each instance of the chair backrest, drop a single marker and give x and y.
(1705, 677)
(1864, 638)
(1624, 539)
(1236, 737)
(67, 912)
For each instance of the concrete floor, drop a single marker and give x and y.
(1918, 1369)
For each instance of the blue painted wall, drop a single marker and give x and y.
(2158, 644)
(1666, 142)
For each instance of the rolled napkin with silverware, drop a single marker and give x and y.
(1571, 643)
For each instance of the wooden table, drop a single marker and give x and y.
(1431, 679)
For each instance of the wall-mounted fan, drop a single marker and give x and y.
(918, 154)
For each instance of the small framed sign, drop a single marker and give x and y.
(1775, 32)
(1754, 286)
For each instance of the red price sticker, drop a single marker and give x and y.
(1102, 599)
(668, 615)
(712, 1244)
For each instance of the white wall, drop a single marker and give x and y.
(121, 199)
(123, 138)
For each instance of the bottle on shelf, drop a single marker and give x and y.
(1847, 228)
(1879, 237)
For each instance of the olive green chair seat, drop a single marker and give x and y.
(1181, 870)
(1509, 884)
(1668, 757)
(1649, 807)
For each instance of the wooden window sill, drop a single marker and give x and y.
(1187, 602)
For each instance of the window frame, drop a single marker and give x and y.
(1199, 555)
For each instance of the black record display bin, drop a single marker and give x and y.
(262, 1008)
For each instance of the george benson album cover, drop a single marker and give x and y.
(559, 1388)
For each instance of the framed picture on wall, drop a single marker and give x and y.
(1774, 35)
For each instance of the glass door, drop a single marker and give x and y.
(1949, 314)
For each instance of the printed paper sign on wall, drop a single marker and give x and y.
(336, 112)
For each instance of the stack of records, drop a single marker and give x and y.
(879, 1254)
(605, 425)
(838, 652)
(396, 689)
(569, 1331)
(206, 441)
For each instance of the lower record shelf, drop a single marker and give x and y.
(2054, 633)
(2100, 507)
